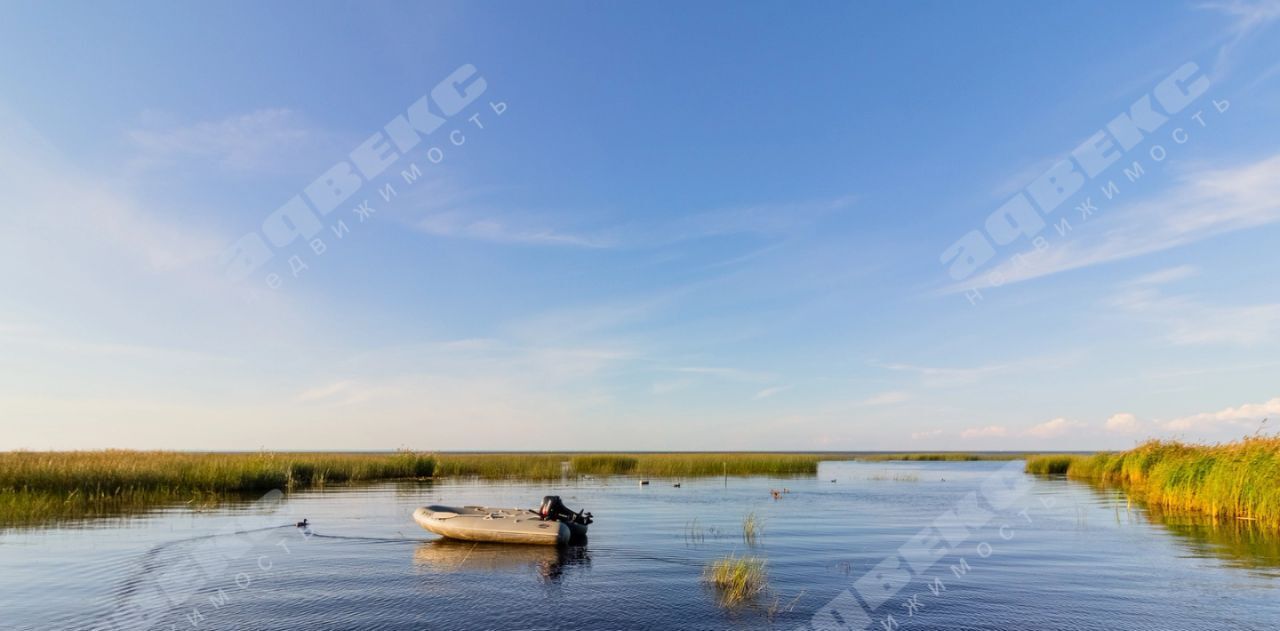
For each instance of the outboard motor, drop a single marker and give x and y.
(554, 510)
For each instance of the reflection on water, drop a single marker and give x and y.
(1075, 559)
(1239, 543)
(550, 562)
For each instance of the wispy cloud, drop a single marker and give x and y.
(886, 398)
(733, 374)
(1248, 18)
(1243, 417)
(1200, 206)
(1184, 320)
(768, 392)
(945, 377)
(467, 224)
(933, 433)
(1167, 275)
(1123, 423)
(989, 431)
(258, 140)
(1054, 428)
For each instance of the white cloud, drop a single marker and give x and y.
(1053, 428)
(941, 377)
(990, 431)
(1245, 417)
(1248, 18)
(667, 387)
(323, 393)
(933, 433)
(1167, 275)
(258, 140)
(1186, 321)
(1200, 206)
(732, 374)
(1123, 423)
(508, 229)
(768, 392)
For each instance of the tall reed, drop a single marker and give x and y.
(1239, 480)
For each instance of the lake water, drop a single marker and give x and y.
(1059, 555)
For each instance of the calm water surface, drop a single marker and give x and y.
(1076, 558)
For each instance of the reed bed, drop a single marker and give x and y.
(737, 580)
(38, 487)
(710, 464)
(675, 465)
(942, 456)
(1051, 464)
(1239, 480)
(604, 464)
(500, 466)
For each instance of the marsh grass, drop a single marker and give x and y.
(604, 464)
(942, 456)
(40, 487)
(752, 528)
(1238, 481)
(737, 580)
(499, 466)
(677, 465)
(1051, 464)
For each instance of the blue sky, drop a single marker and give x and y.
(718, 226)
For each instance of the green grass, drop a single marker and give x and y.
(1051, 464)
(604, 464)
(1239, 480)
(39, 487)
(499, 466)
(709, 464)
(752, 529)
(737, 580)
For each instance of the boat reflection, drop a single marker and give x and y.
(550, 562)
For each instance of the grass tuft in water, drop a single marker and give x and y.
(737, 580)
(752, 528)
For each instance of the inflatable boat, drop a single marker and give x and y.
(552, 524)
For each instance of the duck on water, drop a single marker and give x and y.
(552, 524)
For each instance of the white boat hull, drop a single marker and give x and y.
(498, 525)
